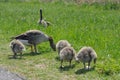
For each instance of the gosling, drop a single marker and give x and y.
(67, 54)
(61, 44)
(86, 55)
(17, 47)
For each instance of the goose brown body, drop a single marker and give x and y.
(34, 37)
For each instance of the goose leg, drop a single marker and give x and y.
(35, 48)
(32, 50)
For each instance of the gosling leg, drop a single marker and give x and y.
(20, 55)
(84, 65)
(89, 65)
(61, 64)
(14, 56)
(70, 63)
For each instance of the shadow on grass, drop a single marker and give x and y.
(27, 54)
(35, 54)
(83, 71)
(31, 54)
(17, 57)
(66, 68)
(57, 58)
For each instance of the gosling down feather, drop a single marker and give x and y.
(86, 55)
(16, 47)
(61, 44)
(67, 54)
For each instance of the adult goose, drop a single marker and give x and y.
(34, 37)
(42, 21)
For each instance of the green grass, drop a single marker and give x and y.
(82, 25)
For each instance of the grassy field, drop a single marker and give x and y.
(94, 25)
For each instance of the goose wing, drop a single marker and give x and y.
(22, 37)
(33, 32)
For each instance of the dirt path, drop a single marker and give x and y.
(7, 75)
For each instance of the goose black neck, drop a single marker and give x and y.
(40, 14)
(52, 44)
